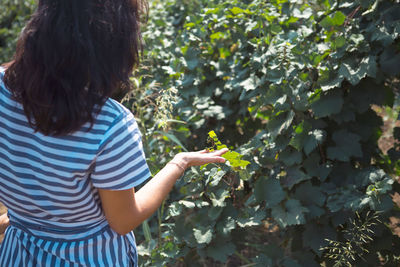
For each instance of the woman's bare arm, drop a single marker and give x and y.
(4, 223)
(125, 209)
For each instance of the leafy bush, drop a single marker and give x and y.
(12, 19)
(289, 85)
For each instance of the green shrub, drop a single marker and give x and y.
(289, 85)
(12, 19)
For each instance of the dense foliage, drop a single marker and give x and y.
(290, 86)
(13, 16)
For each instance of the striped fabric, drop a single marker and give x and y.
(49, 185)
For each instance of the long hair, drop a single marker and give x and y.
(71, 56)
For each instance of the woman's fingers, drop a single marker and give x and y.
(201, 157)
(220, 152)
(215, 156)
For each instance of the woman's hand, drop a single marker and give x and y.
(188, 159)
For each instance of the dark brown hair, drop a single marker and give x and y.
(71, 56)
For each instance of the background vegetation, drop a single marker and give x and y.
(298, 88)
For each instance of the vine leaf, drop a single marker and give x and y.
(326, 104)
(315, 236)
(290, 157)
(191, 58)
(345, 199)
(203, 236)
(315, 169)
(221, 249)
(313, 139)
(337, 20)
(300, 135)
(291, 213)
(268, 190)
(347, 145)
(233, 157)
(280, 123)
(390, 61)
(355, 72)
(294, 176)
(305, 190)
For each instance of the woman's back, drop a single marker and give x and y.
(49, 185)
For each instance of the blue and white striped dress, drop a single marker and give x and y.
(49, 185)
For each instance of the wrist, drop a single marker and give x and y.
(181, 161)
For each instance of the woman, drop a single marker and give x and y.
(70, 156)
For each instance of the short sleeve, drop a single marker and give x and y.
(120, 163)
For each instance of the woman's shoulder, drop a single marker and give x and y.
(2, 70)
(111, 113)
(3, 89)
(114, 109)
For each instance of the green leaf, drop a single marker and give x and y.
(203, 236)
(187, 204)
(294, 175)
(249, 84)
(300, 135)
(339, 42)
(291, 213)
(235, 160)
(253, 217)
(313, 139)
(268, 190)
(305, 190)
(173, 138)
(344, 199)
(390, 61)
(347, 146)
(174, 209)
(221, 249)
(191, 58)
(382, 204)
(381, 34)
(354, 71)
(327, 22)
(215, 212)
(146, 231)
(339, 18)
(218, 198)
(315, 169)
(329, 82)
(226, 225)
(216, 176)
(327, 104)
(315, 235)
(367, 92)
(192, 63)
(290, 157)
(217, 35)
(237, 10)
(216, 111)
(280, 123)
(212, 10)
